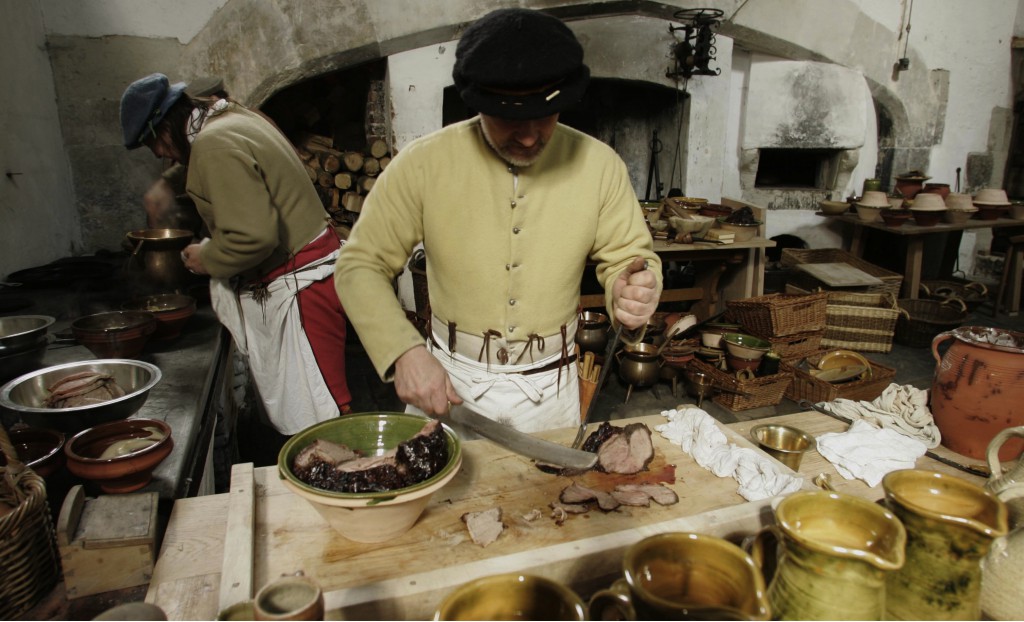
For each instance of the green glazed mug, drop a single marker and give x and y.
(512, 596)
(951, 524)
(833, 552)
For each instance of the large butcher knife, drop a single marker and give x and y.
(519, 442)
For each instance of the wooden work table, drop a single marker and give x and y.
(915, 237)
(219, 549)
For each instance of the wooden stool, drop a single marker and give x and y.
(1013, 273)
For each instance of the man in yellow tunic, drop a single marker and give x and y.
(509, 207)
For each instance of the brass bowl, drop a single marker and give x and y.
(782, 442)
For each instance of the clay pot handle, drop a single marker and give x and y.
(992, 454)
(755, 546)
(935, 344)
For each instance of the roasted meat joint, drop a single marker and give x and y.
(512, 310)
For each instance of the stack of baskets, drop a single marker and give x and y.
(807, 387)
(920, 320)
(28, 548)
(793, 323)
(791, 257)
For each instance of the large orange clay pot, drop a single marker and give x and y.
(978, 389)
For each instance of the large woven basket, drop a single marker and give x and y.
(864, 322)
(807, 387)
(763, 391)
(29, 562)
(779, 315)
(971, 292)
(921, 319)
(891, 281)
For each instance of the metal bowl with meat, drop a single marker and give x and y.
(371, 475)
(73, 396)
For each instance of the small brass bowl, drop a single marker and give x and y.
(782, 442)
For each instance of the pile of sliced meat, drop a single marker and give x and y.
(335, 467)
(82, 389)
(625, 450)
(577, 499)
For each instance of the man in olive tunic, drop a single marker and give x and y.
(509, 207)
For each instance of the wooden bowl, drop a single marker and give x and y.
(171, 311)
(743, 232)
(119, 456)
(115, 334)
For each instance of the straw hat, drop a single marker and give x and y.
(991, 196)
(958, 201)
(873, 198)
(928, 202)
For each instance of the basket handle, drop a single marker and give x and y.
(15, 467)
(982, 290)
(904, 313)
(924, 288)
(963, 305)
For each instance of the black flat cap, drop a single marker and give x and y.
(519, 50)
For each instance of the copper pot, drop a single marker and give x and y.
(157, 254)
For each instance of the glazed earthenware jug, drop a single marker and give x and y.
(951, 525)
(833, 554)
(977, 389)
(1003, 568)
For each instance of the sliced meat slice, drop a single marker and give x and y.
(325, 451)
(574, 493)
(571, 508)
(662, 495)
(627, 452)
(368, 462)
(485, 526)
(633, 497)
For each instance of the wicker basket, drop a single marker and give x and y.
(807, 387)
(920, 319)
(28, 548)
(763, 391)
(891, 281)
(800, 344)
(779, 315)
(864, 322)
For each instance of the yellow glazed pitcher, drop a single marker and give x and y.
(834, 552)
(950, 525)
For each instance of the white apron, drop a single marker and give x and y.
(270, 334)
(526, 402)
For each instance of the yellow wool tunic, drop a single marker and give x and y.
(505, 246)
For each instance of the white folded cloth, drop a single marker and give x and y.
(868, 453)
(698, 434)
(903, 408)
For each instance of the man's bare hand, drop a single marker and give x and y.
(422, 382)
(635, 295)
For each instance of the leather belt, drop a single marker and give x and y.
(553, 365)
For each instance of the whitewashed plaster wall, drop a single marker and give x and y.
(38, 220)
(958, 54)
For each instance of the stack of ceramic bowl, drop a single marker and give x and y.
(928, 209)
(959, 208)
(992, 203)
(744, 352)
(870, 206)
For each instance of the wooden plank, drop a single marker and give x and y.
(839, 274)
(237, 572)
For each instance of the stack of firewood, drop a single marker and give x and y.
(342, 177)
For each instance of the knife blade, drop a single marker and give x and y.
(520, 442)
(973, 469)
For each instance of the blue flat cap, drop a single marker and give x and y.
(144, 104)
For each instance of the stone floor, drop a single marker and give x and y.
(914, 366)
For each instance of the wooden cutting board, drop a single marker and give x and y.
(839, 274)
(407, 577)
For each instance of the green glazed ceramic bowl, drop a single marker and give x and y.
(745, 346)
(369, 516)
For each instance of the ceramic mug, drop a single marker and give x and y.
(289, 598)
(832, 556)
(951, 525)
(681, 576)
(512, 596)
